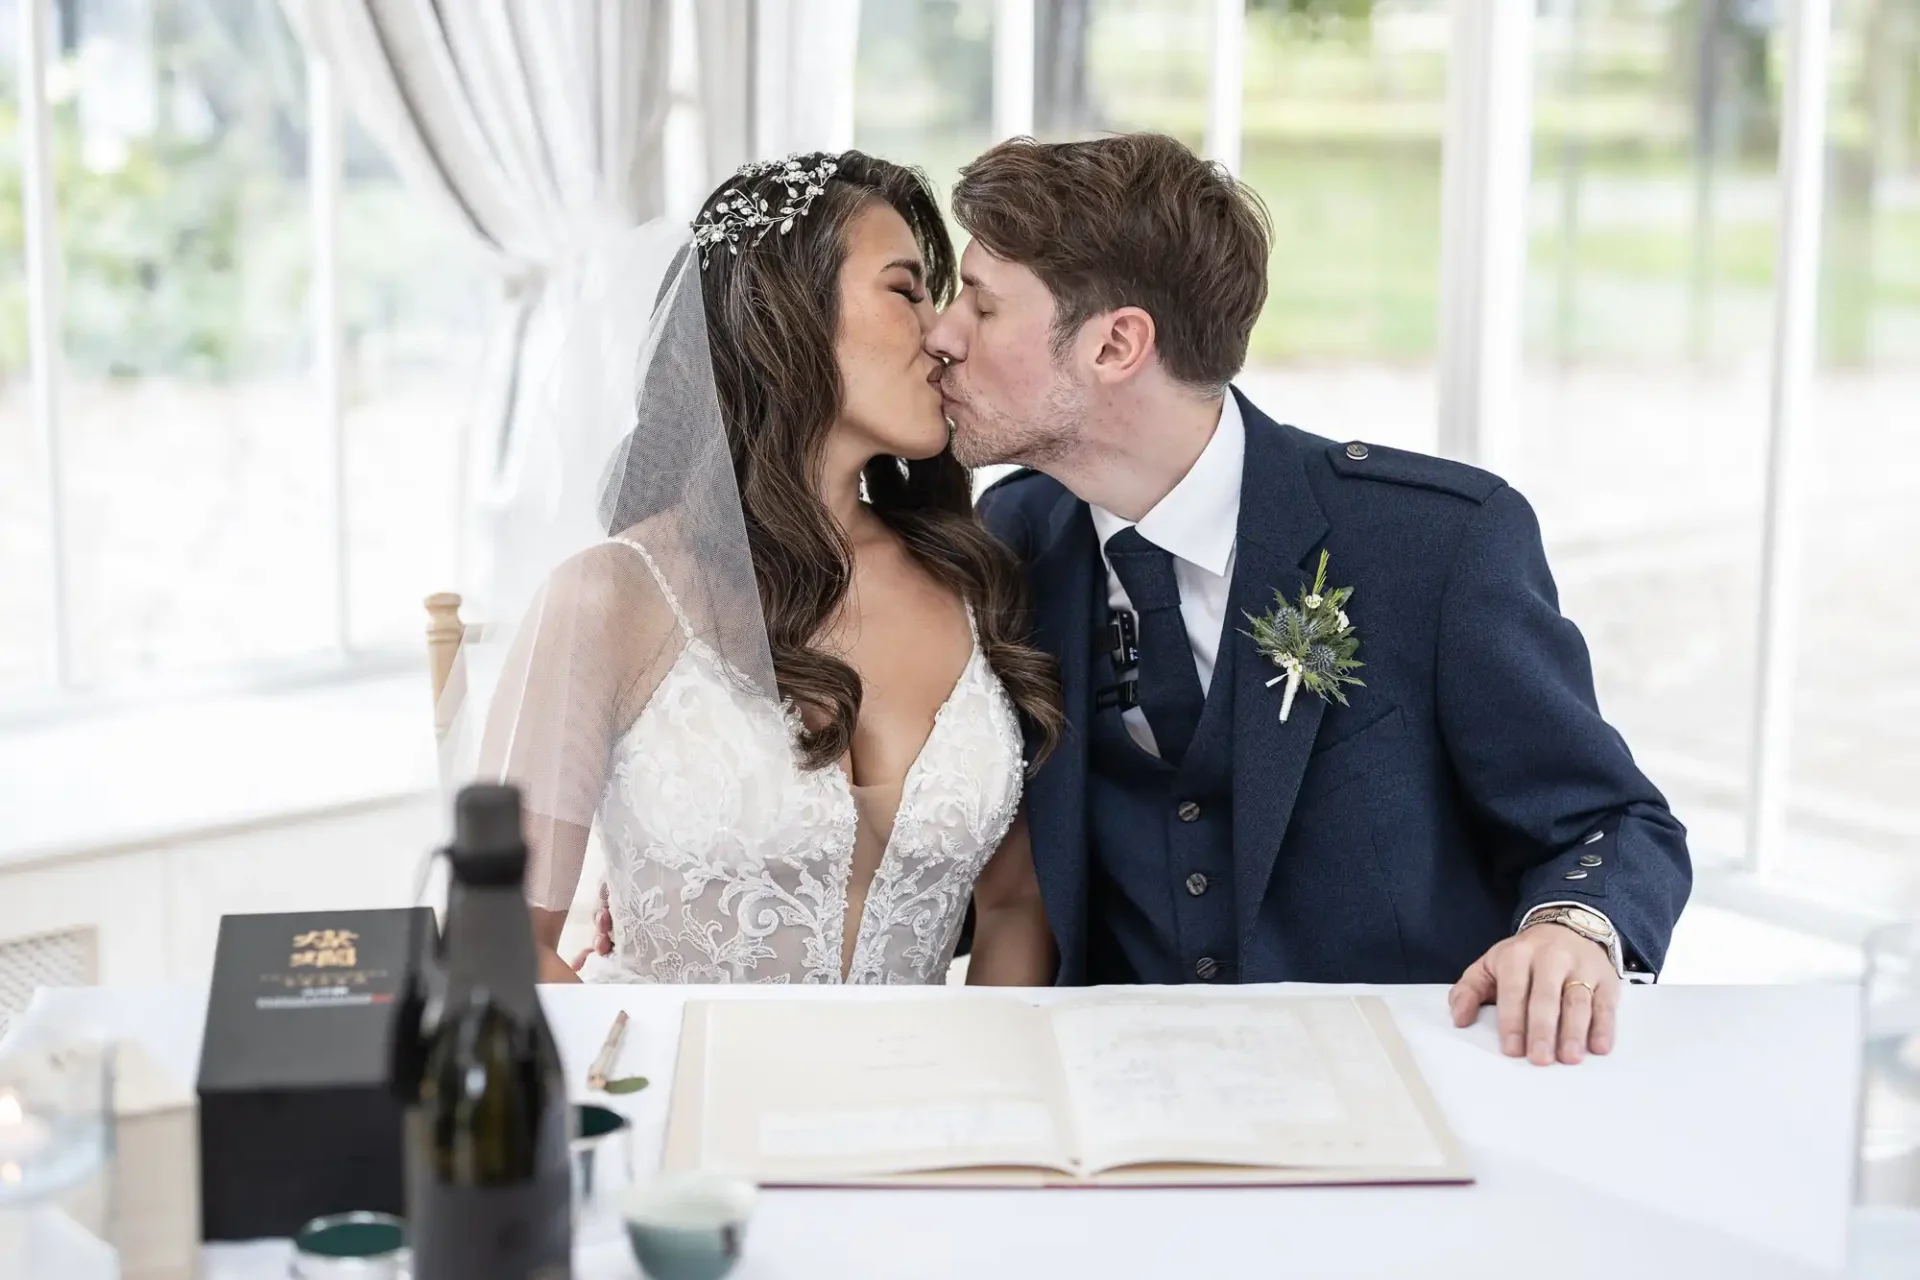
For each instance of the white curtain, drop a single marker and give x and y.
(803, 99)
(776, 76)
(533, 126)
(724, 36)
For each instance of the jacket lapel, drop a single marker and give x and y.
(1280, 526)
(1063, 582)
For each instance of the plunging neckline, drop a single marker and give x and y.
(908, 781)
(939, 714)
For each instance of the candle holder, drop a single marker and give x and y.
(602, 1153)
(55, 1119)
(352, 1246)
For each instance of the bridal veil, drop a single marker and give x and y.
(627, 442)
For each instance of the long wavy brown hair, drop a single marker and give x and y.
(773, 310)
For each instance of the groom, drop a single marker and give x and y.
(1465, 816)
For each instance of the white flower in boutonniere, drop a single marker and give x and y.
(1312, 642)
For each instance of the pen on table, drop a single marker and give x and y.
(603, 1062)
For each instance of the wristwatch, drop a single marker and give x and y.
(1588, 923)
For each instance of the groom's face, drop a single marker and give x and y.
(1007, 396)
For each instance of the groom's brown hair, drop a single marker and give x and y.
(1130, 220)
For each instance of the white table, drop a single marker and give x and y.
(1715, 1142)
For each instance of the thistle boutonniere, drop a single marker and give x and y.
(1312, 642)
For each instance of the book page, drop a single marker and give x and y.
(814, 1089)
(1257, 1081)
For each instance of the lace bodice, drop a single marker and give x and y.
(729, 862)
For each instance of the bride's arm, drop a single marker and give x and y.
(546, 941)
(552, 844)
(580, 667)
(1012, 945)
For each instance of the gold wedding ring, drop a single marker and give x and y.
(1576, 982)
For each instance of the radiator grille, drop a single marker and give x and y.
(69, 958)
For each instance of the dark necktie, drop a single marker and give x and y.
(1170, 692)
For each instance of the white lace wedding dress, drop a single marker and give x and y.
(726, 861)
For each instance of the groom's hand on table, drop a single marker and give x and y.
(1556, 991)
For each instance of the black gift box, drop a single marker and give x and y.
(298, 1114)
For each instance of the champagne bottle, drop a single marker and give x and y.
(487, 1133)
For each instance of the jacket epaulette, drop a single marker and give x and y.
(1359, 461)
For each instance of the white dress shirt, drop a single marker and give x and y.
(1197, 523)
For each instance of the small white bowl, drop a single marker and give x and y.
(688, 1226)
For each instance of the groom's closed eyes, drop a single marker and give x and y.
(977, 292)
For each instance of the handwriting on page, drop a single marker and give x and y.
(1213, 1071)
(958, 1127)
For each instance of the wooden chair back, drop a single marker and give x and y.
(445, 632)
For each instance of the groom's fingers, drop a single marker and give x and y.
(1606, 1007)
(1576, 1018)
(1475, 988)
(1514, 969)
(1551, 969)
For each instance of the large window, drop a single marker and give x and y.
(1650, 319)
(1341, 121)
(1116, 65)
(195, 497)
(1343, 113)
(923, 83)
(1853, 818)
(189, 438)
(410, 302)
(24, 589)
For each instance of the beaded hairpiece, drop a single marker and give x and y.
(736, 214)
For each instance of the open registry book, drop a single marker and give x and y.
(990, 1090)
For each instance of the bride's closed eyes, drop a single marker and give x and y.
(910, 282)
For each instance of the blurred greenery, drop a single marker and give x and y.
(1338, 18)
(179, 196)
(184, 231)
(1654, 214)
(183, 259)
(13, 281)
(923, 82)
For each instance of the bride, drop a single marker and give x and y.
(779, 677)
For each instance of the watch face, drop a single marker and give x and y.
(1581, 918)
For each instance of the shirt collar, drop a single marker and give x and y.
(1198, 518)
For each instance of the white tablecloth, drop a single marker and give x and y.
(1715, 1142)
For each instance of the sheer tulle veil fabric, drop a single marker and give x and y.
(627, 442)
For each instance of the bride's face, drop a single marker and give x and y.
(890, 384)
